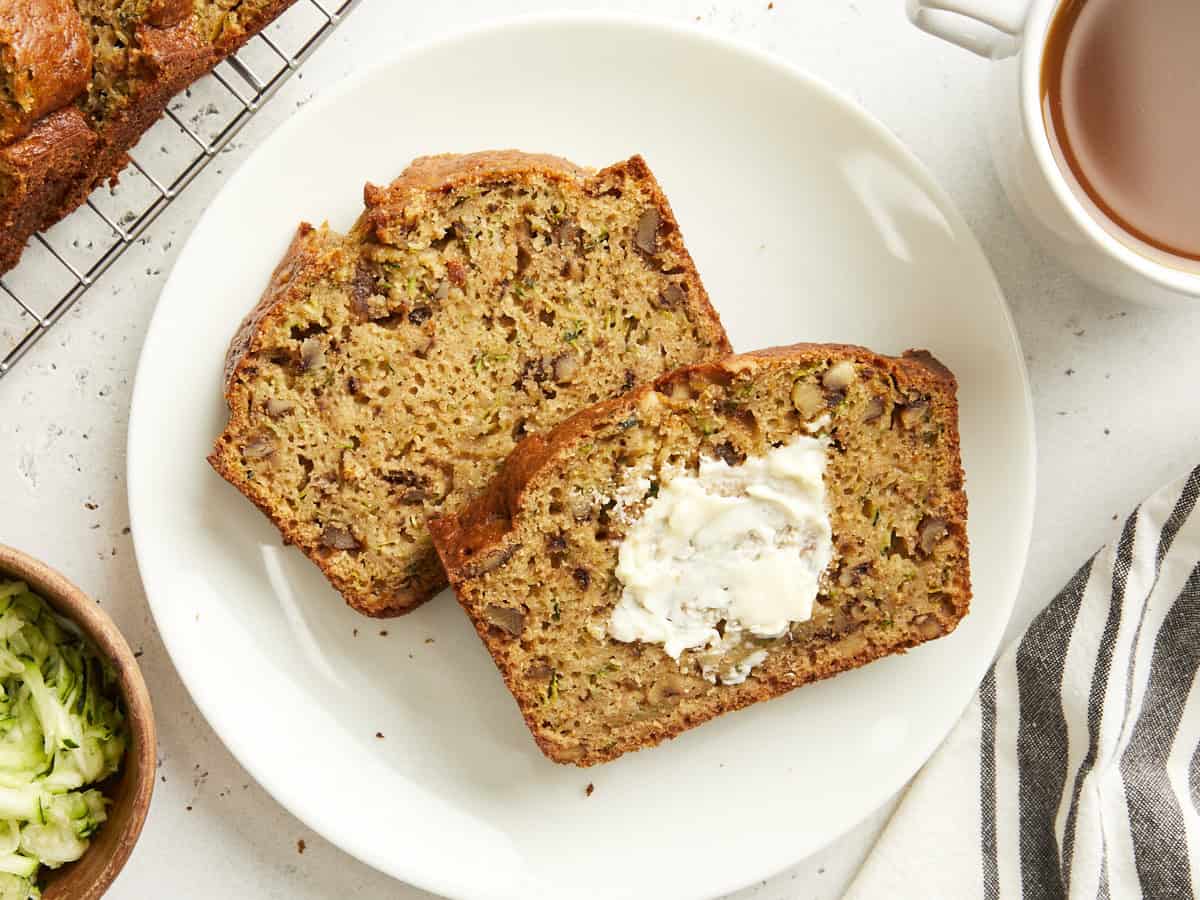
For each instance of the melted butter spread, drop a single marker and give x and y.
(744, 545)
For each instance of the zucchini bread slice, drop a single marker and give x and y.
(386, 374)
(729, 533)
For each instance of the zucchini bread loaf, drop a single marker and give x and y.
(731, 532)
(386, 374)
(81, 80)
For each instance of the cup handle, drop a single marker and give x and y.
(989, 28)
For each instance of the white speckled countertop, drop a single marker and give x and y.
(1116, 394)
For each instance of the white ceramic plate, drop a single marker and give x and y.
(808, 221)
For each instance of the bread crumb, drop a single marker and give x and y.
(383, 633)
(300, 846)
(379, 734)
(587, 792)
(429, 640)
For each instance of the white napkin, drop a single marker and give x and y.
(1075, 771)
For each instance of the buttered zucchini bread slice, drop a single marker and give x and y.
(734, 531)
(385, 375)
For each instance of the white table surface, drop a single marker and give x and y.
(1116, 394)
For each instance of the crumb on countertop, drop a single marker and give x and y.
(301, 846)
(587, 792)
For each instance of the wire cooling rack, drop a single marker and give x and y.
(61, 265)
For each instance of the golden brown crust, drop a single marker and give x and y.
(452, 171)
(765, 688)
(482, 536)
(45, 57)
(171, 54)
(39, 173)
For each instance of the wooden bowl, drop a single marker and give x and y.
(130, 789)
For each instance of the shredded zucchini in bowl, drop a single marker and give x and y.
(62, 728)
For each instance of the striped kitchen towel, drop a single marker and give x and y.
(1075, 771)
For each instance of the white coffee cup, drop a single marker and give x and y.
(1012, 33)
